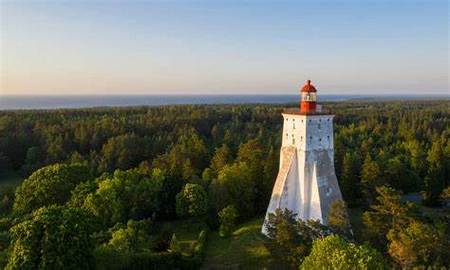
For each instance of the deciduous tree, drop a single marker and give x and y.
(192, 201)
(49, 185)
(333, 252)
(420, 246)
(54, 237)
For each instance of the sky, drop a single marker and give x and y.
(223, 47)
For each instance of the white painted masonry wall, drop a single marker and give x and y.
(310, 185)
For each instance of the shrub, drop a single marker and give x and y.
(107, 259)
(227, 217)
(174, 244)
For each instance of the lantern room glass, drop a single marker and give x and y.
(309, 96)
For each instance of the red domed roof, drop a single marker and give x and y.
(308, 87)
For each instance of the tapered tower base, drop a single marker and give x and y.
(306, 183)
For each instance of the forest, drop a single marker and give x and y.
(177, 187)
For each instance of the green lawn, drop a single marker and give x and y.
(243, 250)
(10, 178)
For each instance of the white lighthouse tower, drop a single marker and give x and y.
(306, 183)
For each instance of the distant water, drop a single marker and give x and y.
(56, 102)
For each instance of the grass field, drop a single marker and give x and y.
(245, 249)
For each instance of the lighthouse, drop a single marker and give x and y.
(306, 183)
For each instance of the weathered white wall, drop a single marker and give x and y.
(308, 132)
(306, 183)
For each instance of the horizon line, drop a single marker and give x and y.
(196, 95)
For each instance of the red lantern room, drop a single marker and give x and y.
(308, 98)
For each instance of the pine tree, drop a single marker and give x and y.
(434, 181)
(349, 181)
(338, 219)
(222, 156)
(370, 179)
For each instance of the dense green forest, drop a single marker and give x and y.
(161, 187)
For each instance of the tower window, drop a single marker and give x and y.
(293, 126)
(293, 141)
(328, 137)
(318, 126)
(320, 139)
(310, 137)
(301, 138)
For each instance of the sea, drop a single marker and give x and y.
(89, 101)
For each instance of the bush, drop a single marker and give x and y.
(227, 217)
(200, 247)
(130, 238)
(174, 244)
(108, 259)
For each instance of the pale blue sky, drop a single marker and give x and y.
(224, 47)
